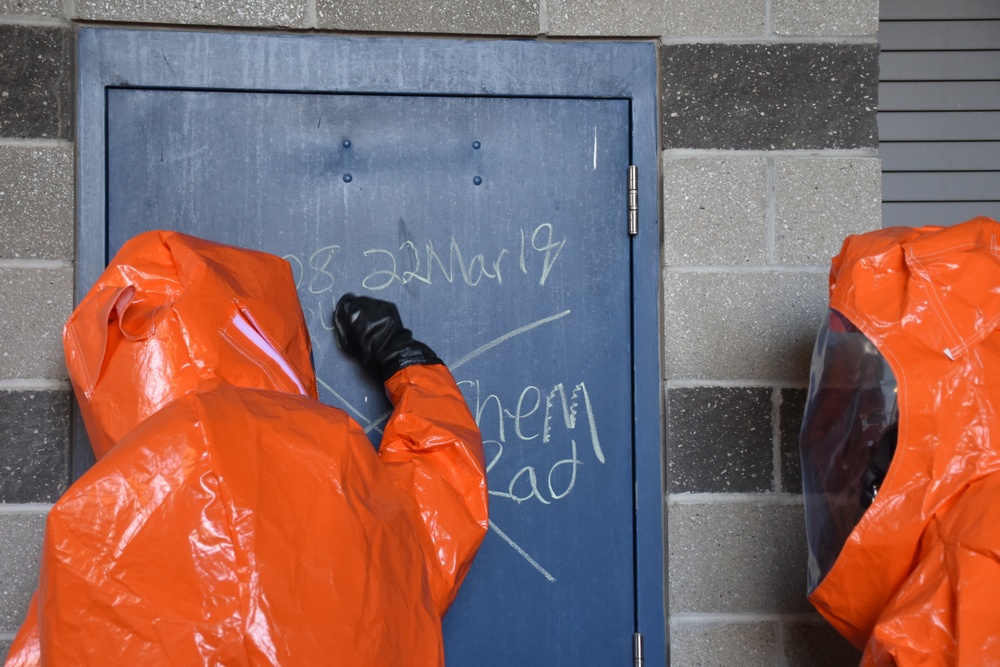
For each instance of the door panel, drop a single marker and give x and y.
(498, 226)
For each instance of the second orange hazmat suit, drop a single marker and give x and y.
(231, 518)
(914, 579)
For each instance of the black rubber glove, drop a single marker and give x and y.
(371, 331)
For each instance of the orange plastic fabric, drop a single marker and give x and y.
(918, 580)
(231, 518)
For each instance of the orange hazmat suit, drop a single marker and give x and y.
(231, 518)
(914, 579)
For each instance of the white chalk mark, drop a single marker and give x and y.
(375, 424)
(595, 148)
(504, 338)
(598, 452)
(524, 555)
(378, 421)
(369, 425)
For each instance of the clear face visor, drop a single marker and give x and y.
(847, 440)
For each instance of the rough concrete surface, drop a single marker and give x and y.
(715, 211)
(719, 440)
(36, 202)
(598, 18)
(828, 18)
(714, 18)
(819, 201)
(769, 96)
(737, 557)
(22, 542)
(34, 304)
(476, 17)
(31, 8)
(793, 402)
(817, 644)
(249, 13)
(723, 644)
(741, 325)
(34, 459)
(35, 75)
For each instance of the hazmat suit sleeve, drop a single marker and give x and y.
(431, 448)
(433, 452)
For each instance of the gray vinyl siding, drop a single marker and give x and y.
(939, 110)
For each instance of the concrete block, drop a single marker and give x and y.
(829, 18)
(34, 304)
(819, 201)
(22, 544)
(769, 96)
(723, 644)
(793, 404)
(36, 202)
(251, 13)
(715, 18)
(474, 17)
(715, 211)
(741, 325)
(817, 644)
(737, 557)
(34, 460)
(606, 18)
(35, 74)
(4, 648)
(31, 8)
(719, 440)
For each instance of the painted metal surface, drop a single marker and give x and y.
(493, 208)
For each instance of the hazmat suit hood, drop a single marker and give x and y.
(231, 518)
(233, 312)
(916, 575)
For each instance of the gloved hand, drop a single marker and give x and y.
(371, 331)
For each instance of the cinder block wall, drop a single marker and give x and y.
(768, 161)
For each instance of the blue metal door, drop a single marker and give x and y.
(498, 224)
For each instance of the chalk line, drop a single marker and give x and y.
(369, 424)
(514, 545)
(504, 338)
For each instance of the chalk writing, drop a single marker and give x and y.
(471, 274)
(550, 247)
(533, 255)
(529, 426)
(541, 426)
(321, 279)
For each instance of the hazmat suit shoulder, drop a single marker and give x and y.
(231, 518)
(917, 579)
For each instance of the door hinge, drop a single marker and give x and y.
(633, 200)
(637, 659)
